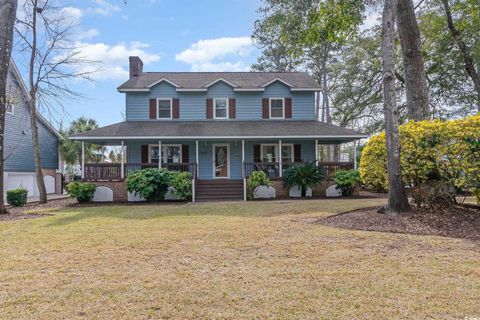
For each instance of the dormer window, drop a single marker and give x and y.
(221, 108)
(277, 108)
(10, 108)
(164, 107)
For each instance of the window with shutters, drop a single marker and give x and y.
(269, 153)
(171, 153)
(277, 108)
(220, 106)
(164, 107)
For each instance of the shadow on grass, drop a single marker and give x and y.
(228, 209)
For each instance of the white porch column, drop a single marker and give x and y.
(316, 152)
(243, 172)
(280, 164)
(83, 160)
(159, 154)
(196, 158)
(122, 163)
(355, 155)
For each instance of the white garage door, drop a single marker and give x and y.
(49, 184)
(22, 179)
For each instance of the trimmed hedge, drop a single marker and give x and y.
(17, 197)
(82, 191)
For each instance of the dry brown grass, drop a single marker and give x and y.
(255, 260)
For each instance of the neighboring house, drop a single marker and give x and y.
(218, 125)
(18, 152)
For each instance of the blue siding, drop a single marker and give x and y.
(206, 151)
(18, 136)
(248, 104)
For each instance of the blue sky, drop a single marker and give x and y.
(169, 35)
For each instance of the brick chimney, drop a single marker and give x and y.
(136, 66)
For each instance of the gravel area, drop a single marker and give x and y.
(35, 210)
(462, 221)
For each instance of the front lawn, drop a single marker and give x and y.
(229, 260)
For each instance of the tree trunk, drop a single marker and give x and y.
(467, 56)
(415, 77)
(8, 11)
(397, 197)
(33, 111)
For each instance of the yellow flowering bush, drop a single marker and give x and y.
(430, 150)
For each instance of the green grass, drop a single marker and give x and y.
(229, 260)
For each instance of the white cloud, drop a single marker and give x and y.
(103, 8)
(222, 54)
(87, 34)
(71, 14)
(112, 60)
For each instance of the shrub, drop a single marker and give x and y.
(347, 181)
(430, 150)
(82, 191)
(17, 197)
(304, 176)
(182, 185)
(256, 179)
(150, 183)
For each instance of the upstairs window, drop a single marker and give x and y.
(10, 108)
(220, 108)
(164, 107)
(277, 110)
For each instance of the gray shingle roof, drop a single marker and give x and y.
(199, 80)
(220, 129)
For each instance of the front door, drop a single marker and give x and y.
(221, 161)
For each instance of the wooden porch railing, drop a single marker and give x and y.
(272, 169)
(112, 171)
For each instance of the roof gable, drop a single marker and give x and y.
(220, 79)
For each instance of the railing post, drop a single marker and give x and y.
(355, 155)
(83, 160)
(316, 152)
(243, 172)
(280, 164)
(122, 164)
(159, 154)
(196, 157)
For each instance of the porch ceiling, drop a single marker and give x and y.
(202, 130)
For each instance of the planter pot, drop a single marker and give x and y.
(333, 192)
(264, 192)
(171, 196)
(296, 192)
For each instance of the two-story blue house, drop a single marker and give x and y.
(18, 147)
(218, 125)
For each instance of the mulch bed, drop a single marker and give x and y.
(460, 221)
(36, 210)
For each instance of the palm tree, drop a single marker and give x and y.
(72, 150)
(304, 176)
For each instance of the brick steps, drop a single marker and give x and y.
(219, 190)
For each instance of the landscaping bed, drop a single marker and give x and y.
(35, 210)
(459, 221)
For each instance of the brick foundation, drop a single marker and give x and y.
(119, 189)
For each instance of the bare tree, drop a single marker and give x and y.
(8, 11)
(44, 33)
(465, 51)
(416, 90)
(397, 197)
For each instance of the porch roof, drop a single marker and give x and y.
(193, 130)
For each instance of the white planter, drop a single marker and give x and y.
(264, 192)
(133, 197)
(333, 192)
(296, 192)
(171, 196)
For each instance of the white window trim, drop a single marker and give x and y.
(283, 108)
(277, 153)
(150, 146)
(13, 109)
(215, 108)
(171, 108)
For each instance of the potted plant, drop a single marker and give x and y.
(303, 176)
